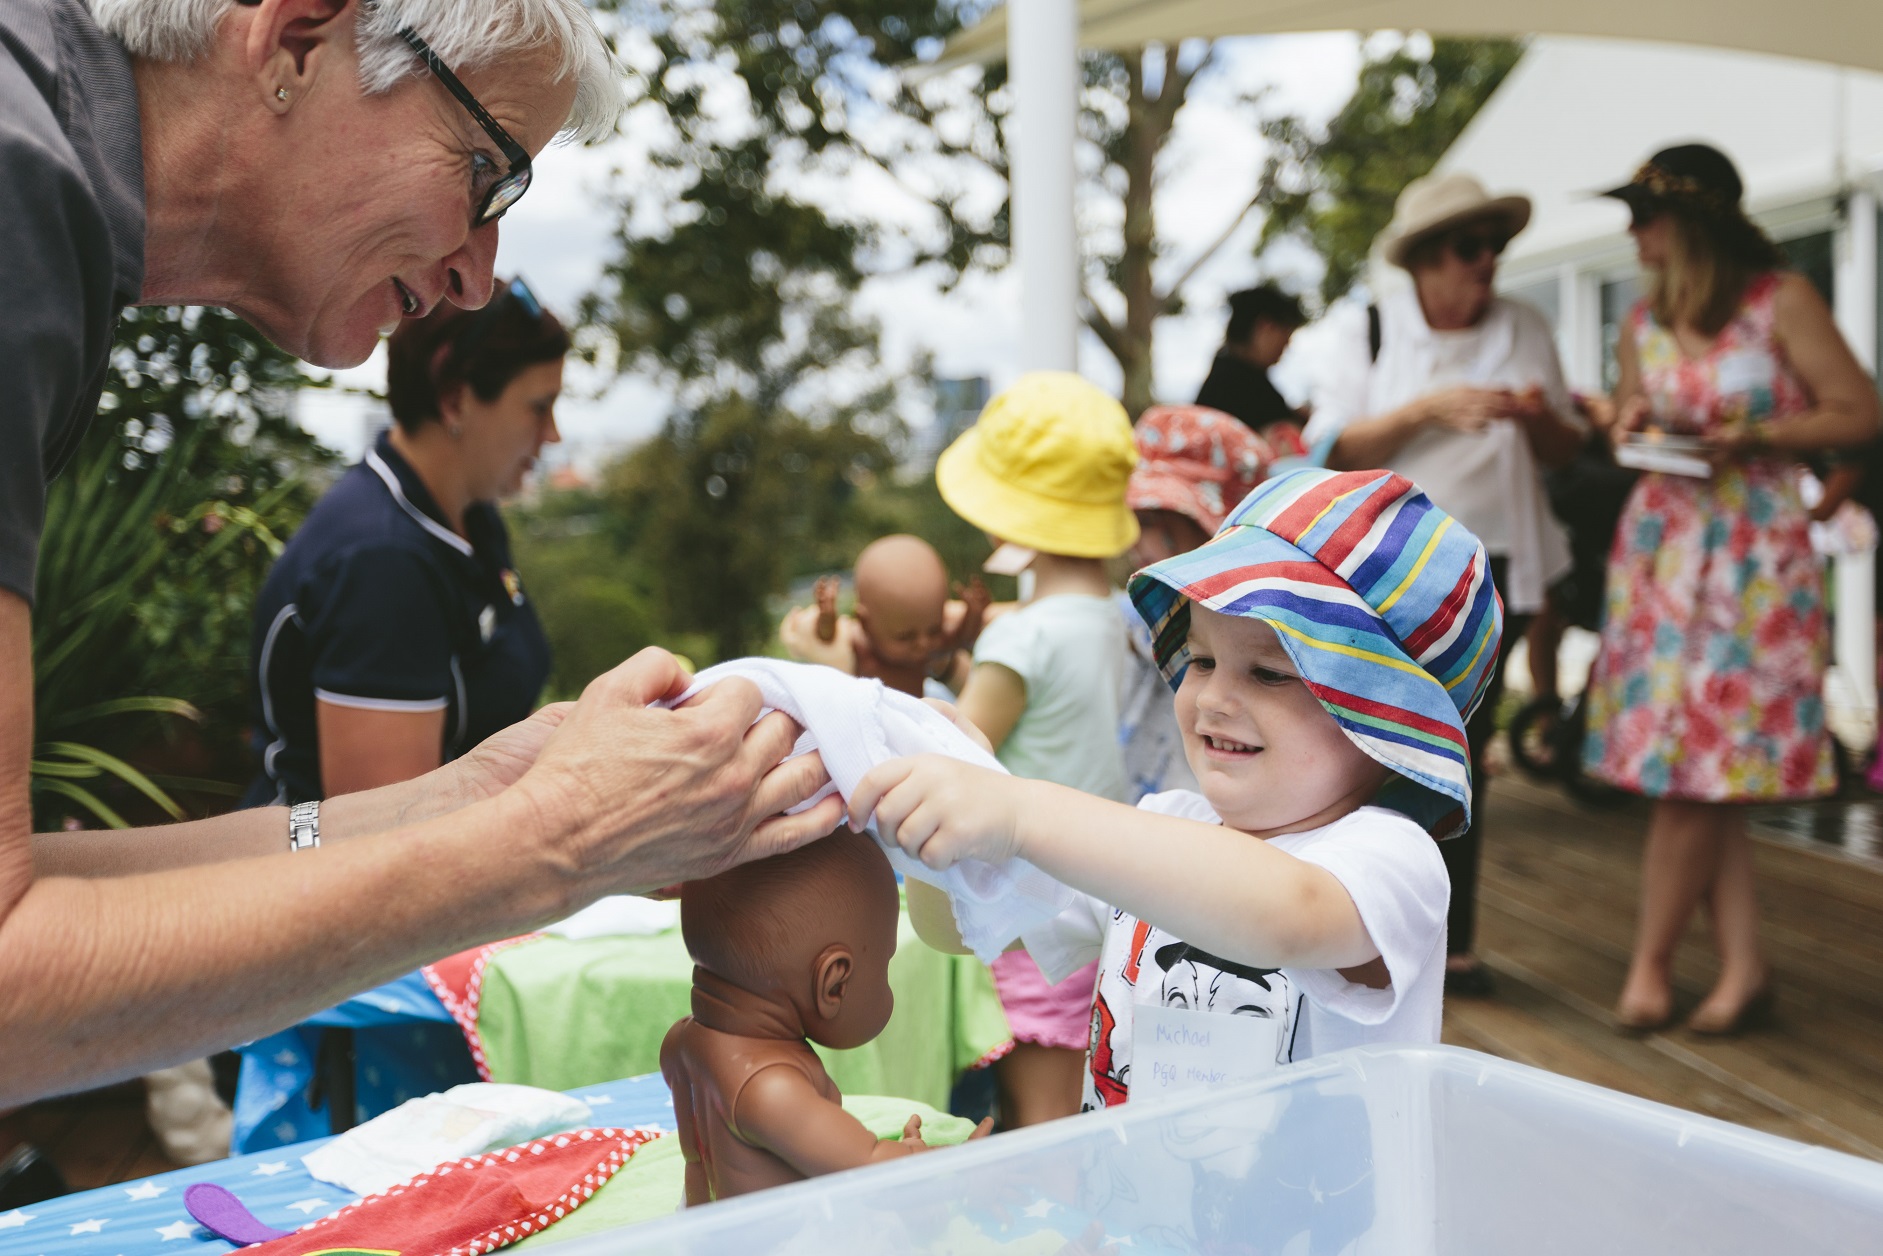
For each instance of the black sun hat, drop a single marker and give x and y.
(1697, 178)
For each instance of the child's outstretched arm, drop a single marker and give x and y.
(1219, 889)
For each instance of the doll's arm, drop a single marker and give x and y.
(780, 1110)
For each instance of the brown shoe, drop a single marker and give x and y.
(1757, 1012)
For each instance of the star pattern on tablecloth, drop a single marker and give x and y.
(306, 1206)
(176, 1230)
(145, 1190)
(268, 1168)
(1038, 1208)
(18, 1217)
(88, 1227)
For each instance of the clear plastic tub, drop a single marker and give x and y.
(1405, 1151)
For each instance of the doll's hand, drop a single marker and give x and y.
(941, 810)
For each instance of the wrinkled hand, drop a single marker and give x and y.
(629, 797)
(797, 632)
(941, 810)
(500, 760)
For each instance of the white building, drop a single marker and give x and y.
(1579, 115)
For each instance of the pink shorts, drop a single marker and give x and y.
(1041, 1013)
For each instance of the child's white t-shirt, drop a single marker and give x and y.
(1070, 650)
(1388, 865)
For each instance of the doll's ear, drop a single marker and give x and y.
(834, 967)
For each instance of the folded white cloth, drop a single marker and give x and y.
(618, 915)
(856, 724)
(423, 1133)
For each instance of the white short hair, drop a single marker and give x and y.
(466, 35)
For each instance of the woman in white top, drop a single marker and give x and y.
(1460, 391)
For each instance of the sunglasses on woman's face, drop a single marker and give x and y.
(1470, 246)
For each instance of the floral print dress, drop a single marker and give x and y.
(1709, 685)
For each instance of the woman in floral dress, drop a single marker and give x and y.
(1708, 690)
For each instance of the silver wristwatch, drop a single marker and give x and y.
(304, 826)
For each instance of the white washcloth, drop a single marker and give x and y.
(423, 1133)
(856, 724)
(618, 915)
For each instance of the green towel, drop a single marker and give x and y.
(653, 1182)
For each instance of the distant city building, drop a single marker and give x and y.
(958, 402)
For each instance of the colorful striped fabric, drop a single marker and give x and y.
(1383, 601)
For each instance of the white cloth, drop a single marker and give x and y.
(1070, 651)
(423, 1133)
(619, 915)
(856, 724)
(1488, 480)
(1389, 866)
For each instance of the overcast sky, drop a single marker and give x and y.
(559, 237)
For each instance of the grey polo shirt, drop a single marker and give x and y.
(71, 247)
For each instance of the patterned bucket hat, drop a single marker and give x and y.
(1383, 601)
(1195, 461)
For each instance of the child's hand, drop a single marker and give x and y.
(941, 810)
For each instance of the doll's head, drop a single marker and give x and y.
(813, 929)
(901, 597)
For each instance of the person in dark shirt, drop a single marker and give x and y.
(1261, 322)
(394, 634)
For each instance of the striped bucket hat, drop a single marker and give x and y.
(1383, 601)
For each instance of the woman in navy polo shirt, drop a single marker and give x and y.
(394, 633)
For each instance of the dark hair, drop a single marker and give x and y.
(1267, 302)
(426, 357)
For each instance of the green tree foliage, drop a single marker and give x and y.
(157, 539)
(1334, 187)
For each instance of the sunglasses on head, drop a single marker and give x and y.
(1469, 246)
(515, 293)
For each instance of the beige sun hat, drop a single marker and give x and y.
(1439, 202)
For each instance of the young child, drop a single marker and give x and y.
(1326, 648)
(785, 949)
(904, 630)
(1194, 465)
(1044, 470)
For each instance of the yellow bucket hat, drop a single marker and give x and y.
(1045, 466)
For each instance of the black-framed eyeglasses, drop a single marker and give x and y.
(501, 193)
(1469, 246)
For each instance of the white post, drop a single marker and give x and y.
(1856, 275)
(1043, 65)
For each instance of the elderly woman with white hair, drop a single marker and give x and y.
(1460, 391)
(325, 168)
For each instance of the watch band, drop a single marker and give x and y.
(304, 826)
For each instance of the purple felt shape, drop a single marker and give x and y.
(225, 1216)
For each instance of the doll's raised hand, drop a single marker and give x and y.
(941, 810)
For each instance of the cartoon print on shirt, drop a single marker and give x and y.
(1189, 978)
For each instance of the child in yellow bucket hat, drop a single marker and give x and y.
(1043, 471)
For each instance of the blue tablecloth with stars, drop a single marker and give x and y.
(148, 1216)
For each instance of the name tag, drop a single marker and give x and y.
(487, 623)
(1747, 371)
(1175, 1049)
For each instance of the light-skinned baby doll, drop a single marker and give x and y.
(1326, 648)
(904, 629)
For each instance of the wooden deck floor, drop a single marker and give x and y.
(1557, 908)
